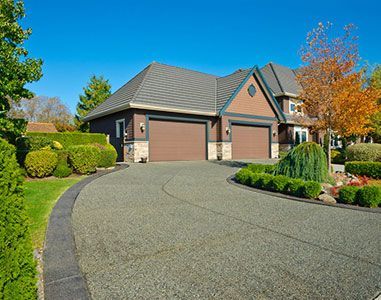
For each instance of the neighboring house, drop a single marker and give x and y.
(170, 113)
(40, 127)
(285, 88)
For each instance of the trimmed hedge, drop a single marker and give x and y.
(279, 183)
(369, 196)
(18, 268)
(67, 139)
(41, 163)
(306, 161)
(62, 171)
(84, 158)
(348, 194)
(260, 168)
(364, 152)
(107, 157)
(365, 168)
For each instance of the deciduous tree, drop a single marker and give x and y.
(335, 95)
(16, 67)
(96, 91)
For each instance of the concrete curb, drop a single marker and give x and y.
(231, 180)
(62, 275)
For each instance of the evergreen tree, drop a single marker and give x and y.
(16, 68)
(96, 91)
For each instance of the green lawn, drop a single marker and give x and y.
(41, 196)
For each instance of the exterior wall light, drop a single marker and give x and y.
(142, 127)
(227, 129)
(274, 133)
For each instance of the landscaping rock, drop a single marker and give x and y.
(326, 187)
(327, 199)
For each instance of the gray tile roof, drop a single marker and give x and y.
(166, 86)
(281, 79)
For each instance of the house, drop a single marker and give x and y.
(40, 127)
(169, 113)
(285, 89)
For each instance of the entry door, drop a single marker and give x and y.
(120, 128)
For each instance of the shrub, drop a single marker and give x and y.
(67, 139)
(294, 187)
(63, 157)
(306, 161)
(254, 178)
(259, 168)
(84, 158)
(34, 143)
(18, 269)
(347, 194)
(371, 169)
(40, 163)
(57, 145)
(62, 170)
(369, 196)
(364, 152)
(107, 156)
(278, 183)
(263, 181)
(310, 189)
(243, 176)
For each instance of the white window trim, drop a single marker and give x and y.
(117, 132)
(301, 129)
(289, 107)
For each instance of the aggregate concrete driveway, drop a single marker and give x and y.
(180, 231)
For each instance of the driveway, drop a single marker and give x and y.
(179, 231)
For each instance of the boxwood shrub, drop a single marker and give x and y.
(243, 176)
(367, 168)
(67, 139)
(278, 183)
(369, 196)
(84, 158)
(364, 152)
(41, 163)
(260, 168)
(294, 187)
(107, 156)
(62, 170)
(311, 189)
(18, 269)
(348, 194)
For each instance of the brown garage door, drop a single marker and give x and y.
(173, 140)
(250, 141)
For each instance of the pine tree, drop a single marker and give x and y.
(96, 91)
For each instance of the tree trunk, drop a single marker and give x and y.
(329, 151)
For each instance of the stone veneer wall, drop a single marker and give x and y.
(212, 150)
(275, 150)
(134, 151)
(225, 149)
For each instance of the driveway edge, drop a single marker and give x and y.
(62, 275)
(231, 180)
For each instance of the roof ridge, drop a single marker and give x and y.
(182, 68)
(276, 76)
(148, 68)
(235, 72)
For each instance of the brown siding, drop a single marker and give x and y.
(250, 141)
(106, 124)
(285, 134)
(243, 103)
(174, 140)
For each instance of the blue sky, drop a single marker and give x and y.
(117, 39)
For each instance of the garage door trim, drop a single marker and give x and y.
(239, 122)
(180, 119)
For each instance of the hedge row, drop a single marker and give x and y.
(364, 168)
(67, 139)
(279, 183)
(18, 268)
(369, 196)
(364, 152)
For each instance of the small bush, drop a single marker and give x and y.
(107, 156)
(62, 170)
(278, 183)
(84, 158)
(364, 152)
(254, 178)
(366, 168)
(369, 196)
(310, 189)
(294, 187)
(306, 161)
(57, 145)
(41, 163)
(347, 194)
(63, 157)
(18, 268)
(263, 181)
(259, 168)
(243, 176)
(67, 139)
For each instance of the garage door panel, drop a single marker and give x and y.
(173, 140)
(250, 141)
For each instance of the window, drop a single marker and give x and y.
(252, 90)
(292, 107)
(301, 135)
(119, 128)
(295, 107)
